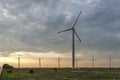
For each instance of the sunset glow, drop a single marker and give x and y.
(50, 60)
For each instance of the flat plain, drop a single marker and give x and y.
(61, 74)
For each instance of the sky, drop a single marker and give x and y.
(29, 27)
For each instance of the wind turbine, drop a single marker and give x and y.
(77, 63)
(73, 39)
(59, 62)
(110, 61)
(19, 61)
(39, 62)
(93, 62)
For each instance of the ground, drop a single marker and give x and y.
(61, 74)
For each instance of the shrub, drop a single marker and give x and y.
(9, 71)
(31, 71)
(55, 69)
(7, 66)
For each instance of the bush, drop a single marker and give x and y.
(7, 66)
(9, 71)
(55, 69)
(31, 71)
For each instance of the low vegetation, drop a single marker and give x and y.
(7, 66)
(62, 74)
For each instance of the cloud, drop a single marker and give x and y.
(32, 26)
(101, 29)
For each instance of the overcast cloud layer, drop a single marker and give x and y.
(32, 26)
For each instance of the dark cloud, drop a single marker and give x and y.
(101, 29)
(32, 26)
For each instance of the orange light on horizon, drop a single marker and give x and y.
(31, 60)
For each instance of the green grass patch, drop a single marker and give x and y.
(61, 74)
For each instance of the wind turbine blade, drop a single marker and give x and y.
(77, 19)
(77, 36)
(65, 30)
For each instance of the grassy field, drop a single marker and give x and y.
(62, 74)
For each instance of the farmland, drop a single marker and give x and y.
(61, 74)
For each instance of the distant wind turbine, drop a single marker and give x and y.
(73, 40)
(77, 63)
(19, 61)
(59, 62)
(39, 62)
(93, 62)
(110, 61)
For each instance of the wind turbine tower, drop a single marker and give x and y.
(39, 62)
(93, 62)
(74, 33)
(77, 63)
(110, 61)
(19, 62)
(59, 62)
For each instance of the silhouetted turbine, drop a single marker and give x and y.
(73, 42)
